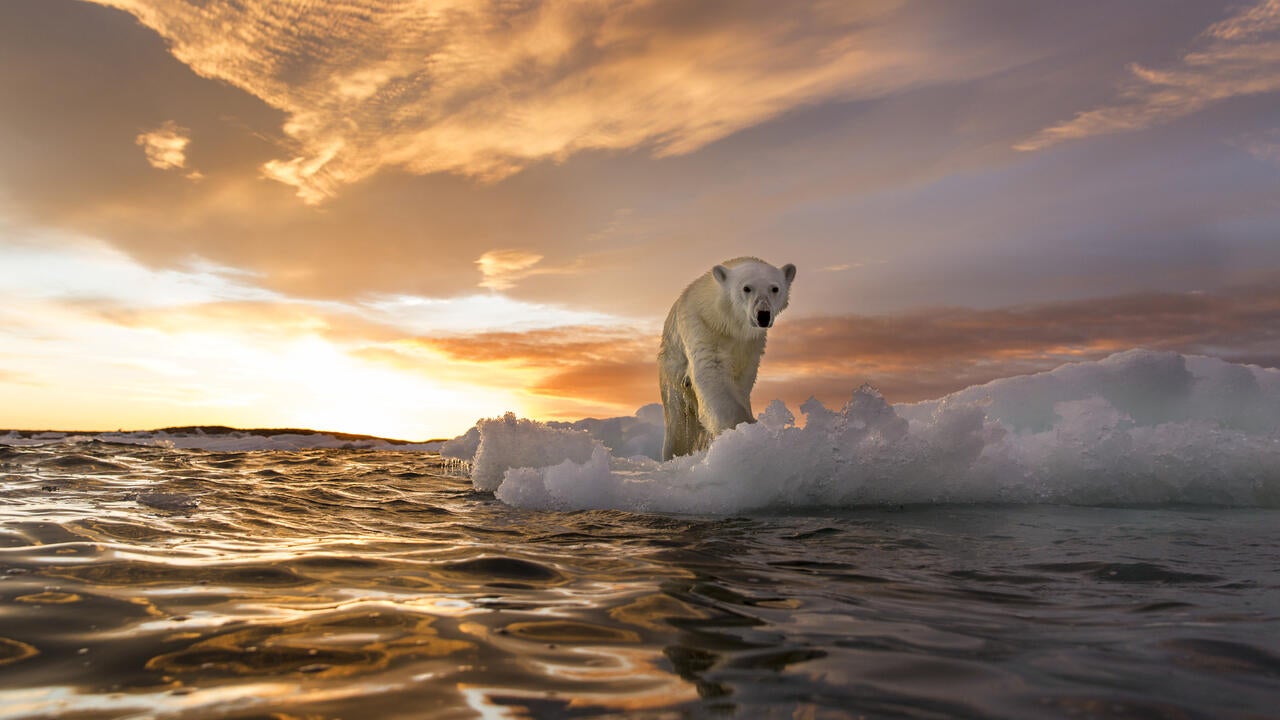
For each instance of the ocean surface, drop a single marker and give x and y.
(154, 582)
(1098, 541)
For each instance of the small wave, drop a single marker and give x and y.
(1137, 572)
(1137, 428)
(504, 568)
(80, 463)
(177, 502)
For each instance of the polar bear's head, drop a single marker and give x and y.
(756, 290)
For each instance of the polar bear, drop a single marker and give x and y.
(711, 347)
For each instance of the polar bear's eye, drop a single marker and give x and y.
(746, 289)
(775, 289)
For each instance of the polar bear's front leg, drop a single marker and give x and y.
(720, 402)
(684, 431)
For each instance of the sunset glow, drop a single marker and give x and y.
(110, 343)
(394, 218)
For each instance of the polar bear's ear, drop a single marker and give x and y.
(789, 271)
(721, 273)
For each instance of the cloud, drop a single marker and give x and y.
(925, 354)
(63, 267)
(484, 89)
(501, 268)
(88, 273)
(910, 178)
(166, 146)
(915, 356)
(485, 312)
(1238, 56)
(588, 369)
(841, 267)
(1263, 145)
(206, 345)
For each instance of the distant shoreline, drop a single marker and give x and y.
(214, 430)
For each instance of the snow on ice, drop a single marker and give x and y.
(1136, 428)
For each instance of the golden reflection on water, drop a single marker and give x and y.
(598, 676)
(654, 612)
(346, 644)
(566, 631)
(48, 598)
(224, 700)
(281, 593)
(585, 663)
(12, 651)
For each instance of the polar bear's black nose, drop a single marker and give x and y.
(762, 318)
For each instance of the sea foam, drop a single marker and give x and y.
(1137, 428)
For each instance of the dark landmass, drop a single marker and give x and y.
(224, 430)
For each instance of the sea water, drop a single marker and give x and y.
(1097, 542)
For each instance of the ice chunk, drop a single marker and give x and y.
(511, 442)
(1138, 427)
(638, 435)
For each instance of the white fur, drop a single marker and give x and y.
(711, 348)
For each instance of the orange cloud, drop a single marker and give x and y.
(501, 268)
(576, 371)
(1235, 57)
(166, 146)
(925, 354)
(618, 386)
(485, 89)
(910, 357)
(570, 345)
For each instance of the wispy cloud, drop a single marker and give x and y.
(482, 312)
(841, 267)
(1264, 145)
(484, 89)
(1235, 57)
(166, 147)
(502, 268)
(62, 267)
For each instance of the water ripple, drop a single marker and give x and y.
(157, 582)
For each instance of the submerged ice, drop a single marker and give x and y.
(1136, 428)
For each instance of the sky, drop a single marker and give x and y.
(395, 217)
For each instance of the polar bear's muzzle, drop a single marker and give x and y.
(764, 319)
